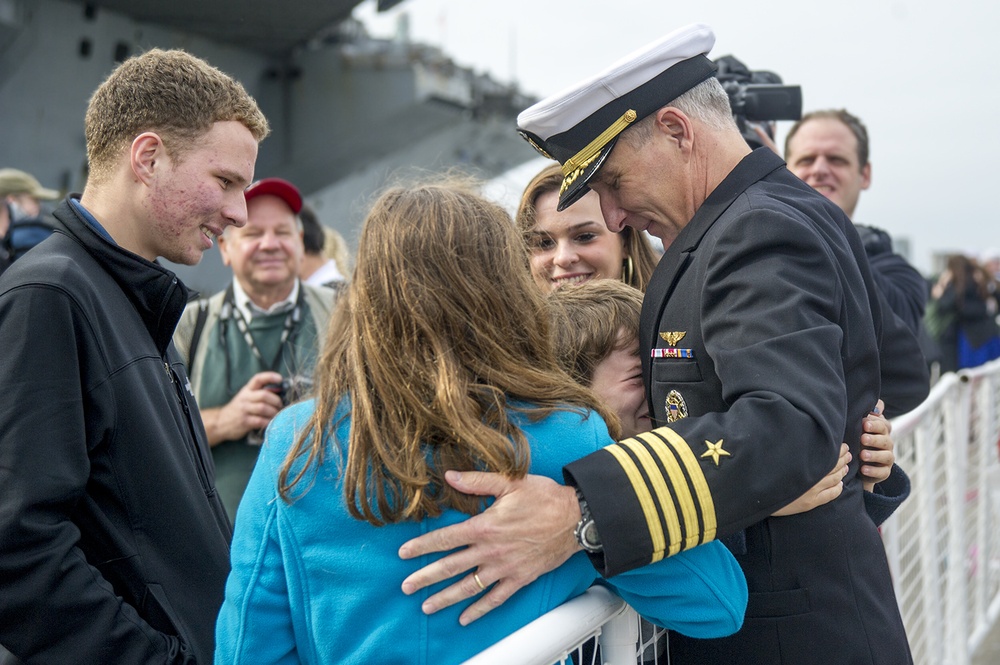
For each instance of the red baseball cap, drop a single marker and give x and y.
(279, 187)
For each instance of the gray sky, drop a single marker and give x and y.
(923, 76)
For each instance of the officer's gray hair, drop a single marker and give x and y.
(706, 102)
(709, 103)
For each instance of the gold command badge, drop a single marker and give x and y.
(677, 408)
(672, 338)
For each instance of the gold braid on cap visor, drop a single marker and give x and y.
(579, 162)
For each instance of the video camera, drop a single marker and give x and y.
(757, 97)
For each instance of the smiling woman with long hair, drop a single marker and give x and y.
(574, 246)
(438, 357)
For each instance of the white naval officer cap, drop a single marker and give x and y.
(579, 126)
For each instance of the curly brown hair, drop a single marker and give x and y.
(170, 92)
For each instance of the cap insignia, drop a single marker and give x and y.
(581, 160)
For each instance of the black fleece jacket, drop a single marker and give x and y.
(114, 547)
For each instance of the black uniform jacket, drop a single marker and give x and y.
(114, 547)
(759, 339)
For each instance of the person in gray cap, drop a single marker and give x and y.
(20, 196)
(760, 330)
(24, 191)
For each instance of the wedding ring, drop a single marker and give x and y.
(479, 581)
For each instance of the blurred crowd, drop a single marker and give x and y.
(962, 313)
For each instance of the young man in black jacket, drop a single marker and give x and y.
(114, 546)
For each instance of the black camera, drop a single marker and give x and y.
(757, 98)
(292, 389)
(289, 390)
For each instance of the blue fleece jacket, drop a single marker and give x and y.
(311, 584)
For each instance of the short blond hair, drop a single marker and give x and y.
(335, 247)
(170, 92)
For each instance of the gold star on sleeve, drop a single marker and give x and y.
(715, 451)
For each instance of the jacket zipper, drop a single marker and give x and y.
(207, 487)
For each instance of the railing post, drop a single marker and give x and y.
(984, 489)
(620, 637)
(930, 597)
(956, 460)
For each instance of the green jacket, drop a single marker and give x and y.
(320, 301)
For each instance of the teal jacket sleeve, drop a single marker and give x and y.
(700, 592)
(255, 622)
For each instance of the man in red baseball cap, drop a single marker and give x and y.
(251, 348)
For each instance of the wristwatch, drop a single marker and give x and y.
(586, 530)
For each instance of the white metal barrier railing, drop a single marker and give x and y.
(943, 545)
(944, 542)
(567, 635)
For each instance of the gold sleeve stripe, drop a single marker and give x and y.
(645, 499)
(701, 488)
(685, 508)
(662, 494)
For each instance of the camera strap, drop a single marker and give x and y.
(289, 330)
(199, 328)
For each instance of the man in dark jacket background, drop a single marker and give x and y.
(829, 151)
(114, 546)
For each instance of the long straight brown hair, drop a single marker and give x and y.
(440, 335)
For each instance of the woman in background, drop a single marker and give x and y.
(574, 246)
(964, 307)
(438, 357)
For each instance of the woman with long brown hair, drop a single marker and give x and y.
(574, 246)
(438, 357)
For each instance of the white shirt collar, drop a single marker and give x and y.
(325, 274)
(248, 309)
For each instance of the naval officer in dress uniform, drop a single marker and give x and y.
(760, 339)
